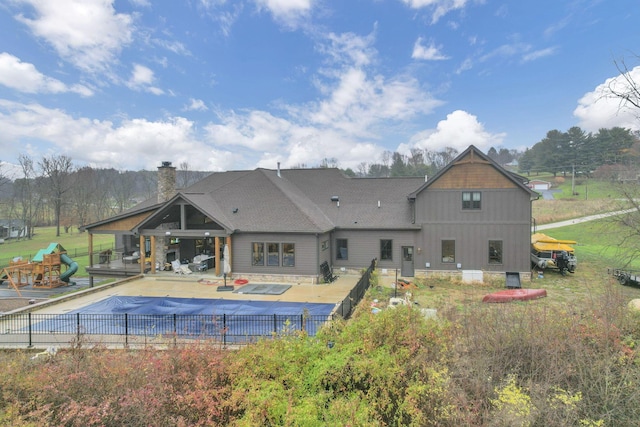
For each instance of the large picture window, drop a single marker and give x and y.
(495, 251)
(448, 251)
(273, 254)
(471, 199)
(386, 250)
(257, 253)
(342, 249)
(288, 254)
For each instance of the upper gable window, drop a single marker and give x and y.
(471, 199)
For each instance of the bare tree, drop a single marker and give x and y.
(627, 90)
(56, 171)
(625, 87)
(123, 189)
(363, 168)
(84, 190)
(27, 202)
(4, 180)
(186, 176)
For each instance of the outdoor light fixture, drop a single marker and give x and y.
(206, 234)
(167, 233)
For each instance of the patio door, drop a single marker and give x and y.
(407, 269)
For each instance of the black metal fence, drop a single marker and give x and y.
(38, 330)
(132, 330)
(357, 293)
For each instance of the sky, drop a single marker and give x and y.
(240, 84)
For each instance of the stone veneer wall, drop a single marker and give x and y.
(166, 182)
(166, 190)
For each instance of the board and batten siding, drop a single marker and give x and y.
(306, 253)
(497, 205)
(472, 246)
(364, 245)
(505, 215)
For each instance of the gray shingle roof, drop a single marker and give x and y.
(299, 200)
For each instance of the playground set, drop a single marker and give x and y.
(44, 270)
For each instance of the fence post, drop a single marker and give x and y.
(126, 330)
(275, 324)
(224, 329)
(302, 328)
(30, 338)
(78, 326)
(175, 330)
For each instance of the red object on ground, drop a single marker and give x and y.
(515, 295)
(240, 282)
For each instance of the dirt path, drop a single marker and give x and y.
(580, 220)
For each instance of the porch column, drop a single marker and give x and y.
(153, 254)
(143, 254)
(90, 258)
(90, 249)
(228, 241)
(217, 254)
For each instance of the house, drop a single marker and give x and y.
(539, 185)
(12, 229)
(472, 215)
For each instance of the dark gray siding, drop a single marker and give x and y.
(325, 253)
(306, 253)
(364, 245)
(498, 205)
(472, 246)
(505, 215)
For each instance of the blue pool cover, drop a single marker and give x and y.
(195, 317)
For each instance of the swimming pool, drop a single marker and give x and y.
(232, 320)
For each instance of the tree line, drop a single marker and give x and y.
(53, 191)
(420, 162)
(579, 152)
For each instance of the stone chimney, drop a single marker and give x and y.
(166, 182)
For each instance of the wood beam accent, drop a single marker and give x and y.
(90, 237)
(153, 254)
(143, 255)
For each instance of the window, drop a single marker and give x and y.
(288, 254)
(342, 251)
(448, 251)
(325, 245)
(257, 253)
(471, 199)
(273, 254)
(495, 251)
(386, 249)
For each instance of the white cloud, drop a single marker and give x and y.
(358, 109)
(87, 33)
(541, 53)
(427, 53)
(288, 12)
(142, 78)
(132, 144)
(459, 130)
(439, 7)
(196, 105)
(141, 3)
(601, 109)
(24, 77)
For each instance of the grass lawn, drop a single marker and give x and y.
(75, 243)
(591, 284)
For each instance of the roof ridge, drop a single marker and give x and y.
(300, 194)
